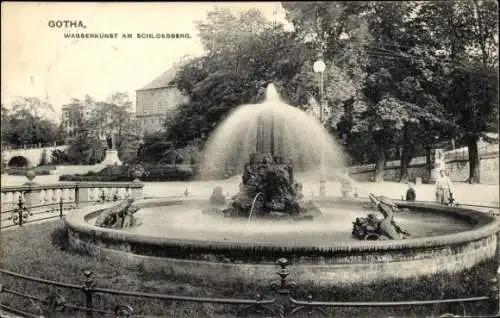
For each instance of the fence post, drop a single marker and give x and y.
(87, 288)
(83, 194)
(283, 288)
(495, 293)
(61, 207)
(20, 209)
(77, 195)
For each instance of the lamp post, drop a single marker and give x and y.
(319, 67)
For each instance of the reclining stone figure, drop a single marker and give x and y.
(373, 228)
(119, 216)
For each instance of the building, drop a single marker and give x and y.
(69, 117)
(158, 99)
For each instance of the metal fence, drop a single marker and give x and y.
(25, 214)
(282, 303)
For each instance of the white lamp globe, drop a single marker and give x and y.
(319, 66)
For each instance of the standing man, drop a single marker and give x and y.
(444, 190)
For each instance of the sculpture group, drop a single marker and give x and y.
(268, 189)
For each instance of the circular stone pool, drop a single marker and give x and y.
(175, 236)
(334, 225)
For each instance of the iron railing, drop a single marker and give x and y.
(22, 214)
(33, 146)
(282, 303)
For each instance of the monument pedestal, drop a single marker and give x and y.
(111, 158)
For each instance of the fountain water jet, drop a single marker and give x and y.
(271, 127)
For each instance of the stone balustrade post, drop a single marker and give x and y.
(32, 197)
(137, 191)
(81, 195)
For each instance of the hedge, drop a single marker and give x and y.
(125, 173)
(21, 171)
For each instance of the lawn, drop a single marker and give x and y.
(41, 250)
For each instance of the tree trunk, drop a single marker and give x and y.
(406, 156)
(380, 165)
(428, 163)
(380, 149)
(474, 160)
(405, 164)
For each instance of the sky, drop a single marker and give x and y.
(37, 60)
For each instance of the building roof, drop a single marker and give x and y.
(164, 80)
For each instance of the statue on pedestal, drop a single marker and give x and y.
(111, 142)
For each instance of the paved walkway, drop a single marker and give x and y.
(480, 194)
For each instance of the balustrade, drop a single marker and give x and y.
(35, 195)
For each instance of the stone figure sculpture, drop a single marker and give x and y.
(119, 216)
(109, 141)
(373, 228)
(217, 197)
(268, 190)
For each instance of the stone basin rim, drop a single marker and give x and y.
(486, 226)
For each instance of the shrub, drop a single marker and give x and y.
(39, 171)
(126, 173)
(59, 157)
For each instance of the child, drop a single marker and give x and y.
(410, 193)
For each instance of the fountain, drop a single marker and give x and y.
(241, 239)
(276, 129)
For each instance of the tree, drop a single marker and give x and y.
(85, 146)
(153, 148)
(243, 55)
(339, 32)
(25, 125)
(93, 121)
(5, 121)
(473, 98)
(117, 110)
(466, 34)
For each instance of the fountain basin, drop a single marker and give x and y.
(222, 250)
